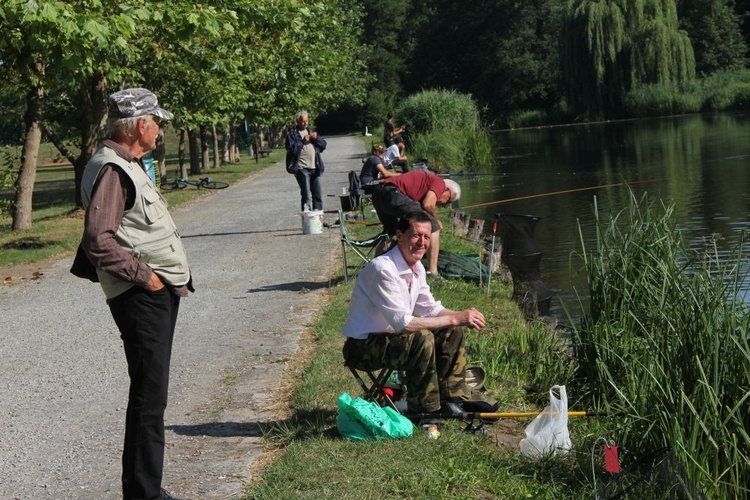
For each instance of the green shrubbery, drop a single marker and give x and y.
(444, 127)
(721, 91)
(665, 346)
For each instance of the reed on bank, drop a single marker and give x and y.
(445, 128)
(665, 346)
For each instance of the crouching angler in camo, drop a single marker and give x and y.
(395, 322)
(142, 267)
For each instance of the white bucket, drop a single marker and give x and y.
(312, 222)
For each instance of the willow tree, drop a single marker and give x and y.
(613, 46)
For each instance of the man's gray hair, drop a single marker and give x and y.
(454, 187)
(124, 127)
(299, 115)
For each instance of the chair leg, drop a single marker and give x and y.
(374, 391)
(346, 266)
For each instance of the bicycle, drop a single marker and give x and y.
(204, 182)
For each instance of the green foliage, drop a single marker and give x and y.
(721, 91)
(656, 100)
(665, 344)
(445, 128)
(9, 161)
(613, 46)
(714, 30)
(502, 52)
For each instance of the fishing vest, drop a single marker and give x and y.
(146, 230)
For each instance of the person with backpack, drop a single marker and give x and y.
(303, 160)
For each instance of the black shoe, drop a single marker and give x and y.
(451, 407)
(165, 495)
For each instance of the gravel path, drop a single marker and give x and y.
(259, 282)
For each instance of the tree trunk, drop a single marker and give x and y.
(231, 141)
(194, 142)
(181, 155)
(23, 203)
(217, 158)
(204, 147)
(94, 117)
(159, 154)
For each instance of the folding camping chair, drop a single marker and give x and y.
(375, 389)
(365, 249)
(356, 198)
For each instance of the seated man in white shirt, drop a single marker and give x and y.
(395, 321)
(394, 156)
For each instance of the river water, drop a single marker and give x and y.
(701, 163)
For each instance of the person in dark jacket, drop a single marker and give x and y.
(303, 160)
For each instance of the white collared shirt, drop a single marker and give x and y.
(387, 296)
(391, 154)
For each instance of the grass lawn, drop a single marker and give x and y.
(57, 223)
(306, 458)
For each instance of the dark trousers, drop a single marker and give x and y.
(146, 321)
(391, 204)
(434, 362)
(403, 164)
(311, 192)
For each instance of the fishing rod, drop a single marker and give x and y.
(602, 186)
(496, 416)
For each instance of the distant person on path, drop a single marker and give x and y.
(303, 160)
(143, 270)
(415, 192)
(373, 169)
(390, 130)
(394, 321)
(394, 156)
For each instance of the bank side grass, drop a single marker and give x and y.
(666, 346)
(57, 223)
(317, 463)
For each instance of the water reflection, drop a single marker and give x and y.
(698, 162)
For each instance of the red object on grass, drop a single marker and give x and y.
(611, 459)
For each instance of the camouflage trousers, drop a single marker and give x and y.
(434, 362)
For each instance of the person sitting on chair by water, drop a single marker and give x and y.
(394, 321)
(394, 156)
(373, 169)
(415, 192)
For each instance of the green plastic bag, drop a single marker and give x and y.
(361, 420)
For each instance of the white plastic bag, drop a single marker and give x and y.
(548, 433)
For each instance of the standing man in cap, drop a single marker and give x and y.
(143, 270)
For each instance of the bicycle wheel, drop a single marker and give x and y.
(215, 185)
(173, 186)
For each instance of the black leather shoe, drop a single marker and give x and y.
(165, 495)
(450, 407)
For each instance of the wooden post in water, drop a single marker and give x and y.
(474, 232)
(460, 222)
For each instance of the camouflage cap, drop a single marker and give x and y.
(135, 102)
